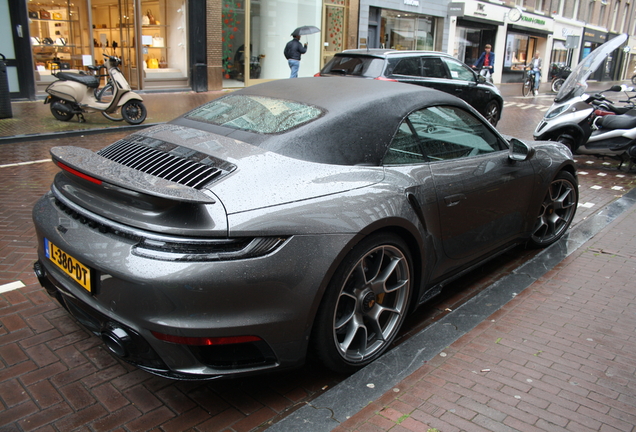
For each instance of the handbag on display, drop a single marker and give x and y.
(145, 20)
(153, 63)
(157, 42)
(34, 15)
(57, 16)
(163, 63)
(151, 17)
(44, 14)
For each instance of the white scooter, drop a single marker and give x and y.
(591, 124)
(77, 93)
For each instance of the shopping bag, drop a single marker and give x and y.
(157, 42)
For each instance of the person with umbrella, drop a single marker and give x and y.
(294, 49)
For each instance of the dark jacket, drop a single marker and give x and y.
(294, 49)
(480, 61)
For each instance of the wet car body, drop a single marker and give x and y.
(425, 68)
(232, 272)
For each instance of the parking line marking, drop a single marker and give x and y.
(11, 286)
(25, 163)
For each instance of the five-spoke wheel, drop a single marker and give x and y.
(365, 304)
(134, 112)
(557, 210)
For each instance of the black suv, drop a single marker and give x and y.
(427, 68)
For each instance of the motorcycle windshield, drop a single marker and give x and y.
(576, 84)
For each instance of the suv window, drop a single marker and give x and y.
(432, 67)
(408, 66)
(459, 71)
(441, 133)
(370, 67)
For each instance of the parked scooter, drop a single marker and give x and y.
(558, 75)
(581, 121)
(77, 93)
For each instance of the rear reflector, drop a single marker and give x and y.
(77, 173)
(205, 341)
(381, 78)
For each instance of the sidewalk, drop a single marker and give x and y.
(33, 119)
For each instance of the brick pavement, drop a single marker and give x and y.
(561, 356)
(56, 376)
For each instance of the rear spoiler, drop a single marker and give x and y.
(90, 166)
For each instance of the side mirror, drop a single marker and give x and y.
(520, 151)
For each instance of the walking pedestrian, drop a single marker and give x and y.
(293, 50)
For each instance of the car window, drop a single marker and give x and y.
(255, 113)
(354, 65)
(458, 70)
(448, 132)
(408, 66)
(405, 147)
(432, 67)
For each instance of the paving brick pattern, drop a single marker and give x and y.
(561, 356)
(55, 376)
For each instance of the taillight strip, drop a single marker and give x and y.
(77, 173)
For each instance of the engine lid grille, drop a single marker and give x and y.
(167, 161)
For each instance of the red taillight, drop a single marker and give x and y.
(381, 78)
(205, 341)
(77, 173)
(317, 75)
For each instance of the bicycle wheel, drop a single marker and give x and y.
(634, 79)
(527, 87)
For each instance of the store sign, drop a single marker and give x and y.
(456, 9)
(533, 20)
(412, 3)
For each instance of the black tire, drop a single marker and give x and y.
(527, 87)
(365, 304)
(568, 140)
(556, 212)
(60, 115)
(134, 112)
(556, 84)
(492, 113)
(634, 79)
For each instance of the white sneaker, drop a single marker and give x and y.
(536, 92)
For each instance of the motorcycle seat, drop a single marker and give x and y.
(88, 80)
(617, 122)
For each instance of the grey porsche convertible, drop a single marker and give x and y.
(292, 217)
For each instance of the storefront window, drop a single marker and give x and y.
(467, 45)
(519, 50)
(271, 25)
(233, 37)
(333, 36)
(403, 31)
(559, 53)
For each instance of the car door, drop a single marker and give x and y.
(481, 195)
(465, 83)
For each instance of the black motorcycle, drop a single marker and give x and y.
(558, 75)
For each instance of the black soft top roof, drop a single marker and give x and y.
(361, 117)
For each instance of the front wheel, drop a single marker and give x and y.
(527, 87)
(557, 210)
(634, 79)
(492, 113)
(134, 112)
(365, 304)
(556, 84)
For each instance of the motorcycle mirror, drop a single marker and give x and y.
(616, 88)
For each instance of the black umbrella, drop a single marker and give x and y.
(305, 30)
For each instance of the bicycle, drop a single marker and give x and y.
(528, 83)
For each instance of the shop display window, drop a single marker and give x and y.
(518, 51)
(407, 31)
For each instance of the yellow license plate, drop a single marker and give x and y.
(69, 265)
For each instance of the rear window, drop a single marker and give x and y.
(255, 113)
(367, 67)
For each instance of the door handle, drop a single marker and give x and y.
(453, 200)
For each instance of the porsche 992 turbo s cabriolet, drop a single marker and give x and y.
(296, 214)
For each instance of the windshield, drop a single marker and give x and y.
(255, 113)
(576, 84)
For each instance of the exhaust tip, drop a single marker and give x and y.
(116, 340)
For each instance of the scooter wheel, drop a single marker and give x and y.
(134, 112)
(557, 84)
(59, 114)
